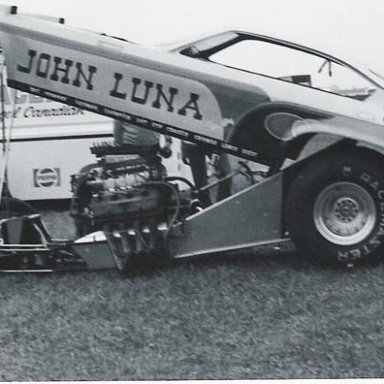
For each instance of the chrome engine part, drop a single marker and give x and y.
(132, 201)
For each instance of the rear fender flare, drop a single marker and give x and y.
(265, 130)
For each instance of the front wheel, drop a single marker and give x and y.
(335, 206)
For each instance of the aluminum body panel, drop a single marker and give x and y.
(247, 219)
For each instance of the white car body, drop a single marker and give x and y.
(182, 92)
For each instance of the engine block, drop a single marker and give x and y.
(130, 200)
(120, 190)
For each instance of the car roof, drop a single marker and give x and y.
(298, 40)
(327, 49)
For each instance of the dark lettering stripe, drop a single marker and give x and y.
(204, 141)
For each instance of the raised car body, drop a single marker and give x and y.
(193, 93)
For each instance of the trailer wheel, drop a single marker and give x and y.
(11, 206)
(335, 207)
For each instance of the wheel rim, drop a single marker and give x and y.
(344, 213)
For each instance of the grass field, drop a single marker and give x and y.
(266, 316)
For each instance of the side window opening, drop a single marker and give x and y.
(296, 66)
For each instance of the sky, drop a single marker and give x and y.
(354, 25)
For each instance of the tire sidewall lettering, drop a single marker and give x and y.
(376, 189)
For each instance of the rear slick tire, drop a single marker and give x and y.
(335, 207)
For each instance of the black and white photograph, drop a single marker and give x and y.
(191, 190)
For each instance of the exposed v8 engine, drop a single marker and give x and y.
(130, 198)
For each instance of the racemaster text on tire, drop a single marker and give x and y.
(335, 206)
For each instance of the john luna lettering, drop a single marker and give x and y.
(131, 89)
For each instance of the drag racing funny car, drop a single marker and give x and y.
(315, 120)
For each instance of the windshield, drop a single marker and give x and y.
(203, 43)
(381, 77)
